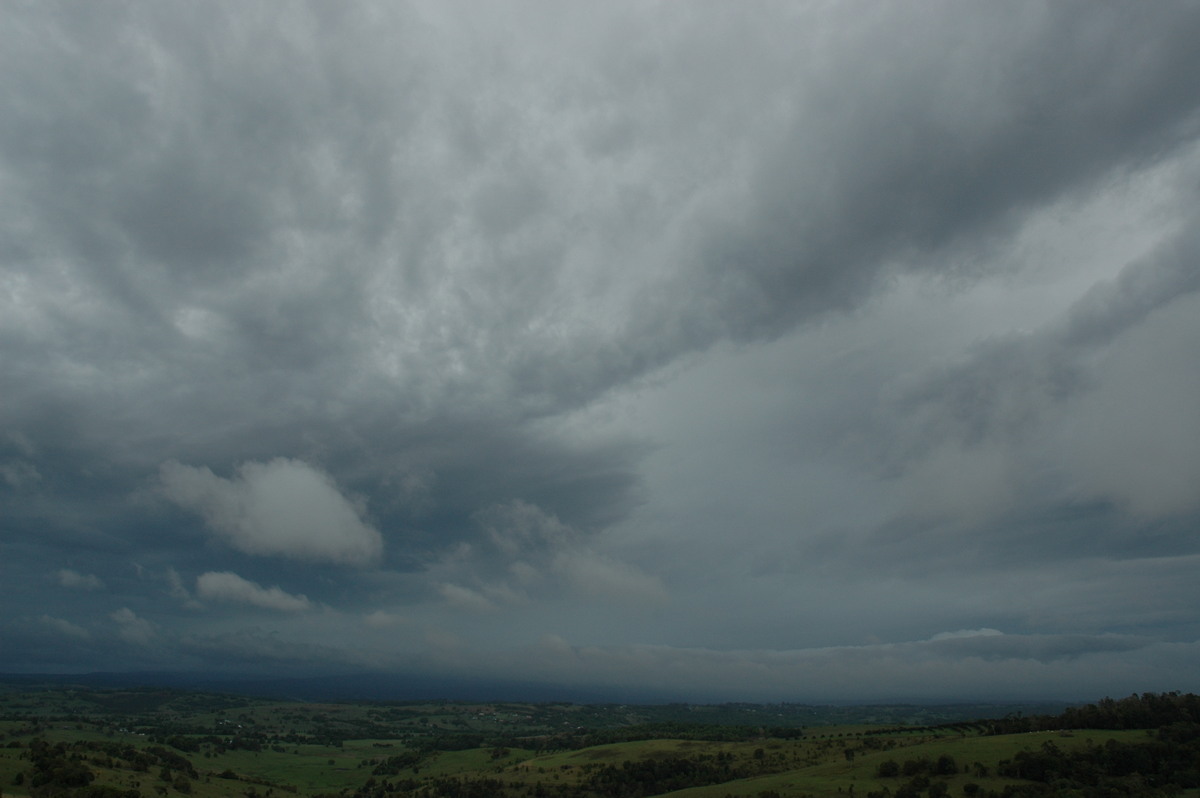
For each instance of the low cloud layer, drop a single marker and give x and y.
(776, 350)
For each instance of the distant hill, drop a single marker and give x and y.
(383, 687)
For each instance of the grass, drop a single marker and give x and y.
(835, 775)
(806, 767)
(364, 735)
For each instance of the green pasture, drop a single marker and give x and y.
(836, 775)
(807, 767)
(831, 760)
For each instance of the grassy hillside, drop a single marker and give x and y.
(131, 743)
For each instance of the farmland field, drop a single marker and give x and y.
(87, 743)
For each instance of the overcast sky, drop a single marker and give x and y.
(756, 350)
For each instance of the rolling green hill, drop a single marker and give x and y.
(79, 743)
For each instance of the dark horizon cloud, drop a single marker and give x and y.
(767, 345)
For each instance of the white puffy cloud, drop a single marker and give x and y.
(133, 629)
(464, 598)
(65, 627)
(228, 586)
(283, 508)
(77, 581)
(961, 633)
(382, 619)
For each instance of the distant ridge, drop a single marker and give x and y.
(345, 687)
(390, 687)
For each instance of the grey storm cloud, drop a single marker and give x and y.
(982, 423)
(529, 552)
(919, 670)
(430, 330)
